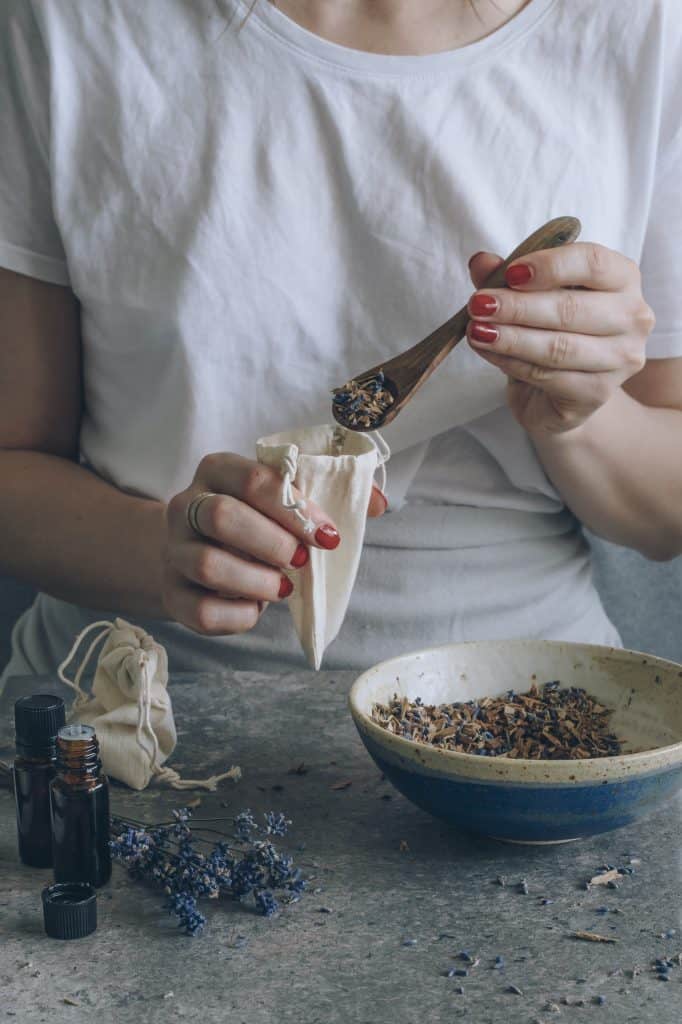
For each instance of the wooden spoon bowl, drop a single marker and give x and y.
(405, 373)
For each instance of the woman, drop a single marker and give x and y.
(211, 213)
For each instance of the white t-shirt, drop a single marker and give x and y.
(249, 217)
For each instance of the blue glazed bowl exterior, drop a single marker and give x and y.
(532, 801)
(539, 814)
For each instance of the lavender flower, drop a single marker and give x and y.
(266, 903)
(185, 909)
(277, 824)
(168, 856)
(182, 814)
(245, 824)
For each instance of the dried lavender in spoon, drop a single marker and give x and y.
(362, 404)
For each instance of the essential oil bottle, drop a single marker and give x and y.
(79, 797)
(37, 720)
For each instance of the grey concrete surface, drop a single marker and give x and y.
(350, 965)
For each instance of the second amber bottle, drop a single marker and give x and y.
(79, 805)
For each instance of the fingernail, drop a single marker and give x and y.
(483, 305)
(483, 333)
(381, 495)
(300, 556)
(520, 273)
(286, 587)
(327, 537)
(479, 253)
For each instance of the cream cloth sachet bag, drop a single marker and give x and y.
(334, 467)
(130, 707)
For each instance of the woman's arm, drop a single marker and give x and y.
(61, 527)
(607, 426)
(621, 471)
(79, 538)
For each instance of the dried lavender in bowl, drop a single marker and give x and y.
(550, 723)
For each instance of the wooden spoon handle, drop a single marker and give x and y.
(555, 233)
(432, 350)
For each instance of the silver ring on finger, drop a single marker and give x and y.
(193, 509)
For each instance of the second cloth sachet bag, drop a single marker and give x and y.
(129, 705)
(334, 468)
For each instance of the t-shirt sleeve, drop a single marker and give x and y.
(30, 241)
(661, 261)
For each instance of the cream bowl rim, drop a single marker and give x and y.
(587, 768)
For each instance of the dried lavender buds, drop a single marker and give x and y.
(168, 855)
(546, 723)
(362, 404)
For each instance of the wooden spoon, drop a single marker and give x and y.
(404, 374)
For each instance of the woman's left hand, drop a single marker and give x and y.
(568, 332)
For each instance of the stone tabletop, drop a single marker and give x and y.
(394, 896)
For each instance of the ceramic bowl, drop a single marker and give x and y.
(521, 800)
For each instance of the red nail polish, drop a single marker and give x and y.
(520, 273)
(327, 537)
(286, 587)
(300, 557)
(483, 333)
(483, 305)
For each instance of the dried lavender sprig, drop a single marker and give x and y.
(166, 856)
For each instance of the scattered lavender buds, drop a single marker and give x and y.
(362, 404)
(548, 723)
(167, 855)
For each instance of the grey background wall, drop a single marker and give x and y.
(644, 600)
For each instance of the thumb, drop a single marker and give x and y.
(481, 265)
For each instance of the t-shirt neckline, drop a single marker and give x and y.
(289, 32)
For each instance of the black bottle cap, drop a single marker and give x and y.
(37, 720)
(69, 910)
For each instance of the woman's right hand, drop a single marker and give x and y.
(219, 583)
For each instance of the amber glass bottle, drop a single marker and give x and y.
(37, 720)
(79, 797)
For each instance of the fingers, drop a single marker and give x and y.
(208, 613)
(582, 388)
(558, 351)
(227, 574)
(583, 264)
(481, 266)
(259, 487)
(378, 503)
(582, 312)
(218, 583)
(231, 523)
